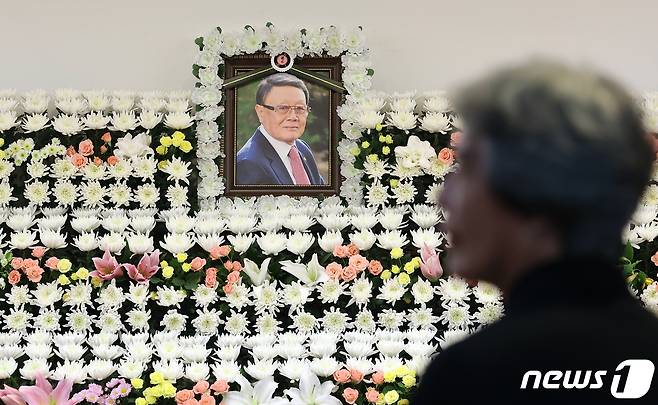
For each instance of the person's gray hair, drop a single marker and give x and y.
(279, 80)
(565, 143)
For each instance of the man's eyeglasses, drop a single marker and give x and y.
(285, 109)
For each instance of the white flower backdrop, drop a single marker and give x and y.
(125, 271)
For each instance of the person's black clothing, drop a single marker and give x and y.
(566, 315)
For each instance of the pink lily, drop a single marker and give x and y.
(42, 393)
(11, 396)
(146, 268)
(430, 265)
(107, 267)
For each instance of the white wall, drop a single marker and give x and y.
(148, 44)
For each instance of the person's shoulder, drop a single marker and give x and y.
(303, 146)
(250, 149)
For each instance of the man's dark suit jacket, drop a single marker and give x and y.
(258, 163)
(568, 315)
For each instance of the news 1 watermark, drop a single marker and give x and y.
(630, 380)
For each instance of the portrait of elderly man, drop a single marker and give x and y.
(275, 154)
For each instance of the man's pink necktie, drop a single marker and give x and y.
(298, 171)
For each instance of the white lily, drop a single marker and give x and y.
(310, 274)
(310, 391)
(257, 274)
(260, 394)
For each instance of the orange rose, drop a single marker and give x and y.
(107, 137)
(352, 249)
(357, 376)
(29, 263)
(78, 160)
(341, 251)
(377, 378)
(184, 395)
(38, 251)
(86, 147)
(103, 149)
(359, 262)
(446, 155)
(224, 250)
(211, 280)
(16, 263)
(375, 267)
(201, 387)
(342, 376)
(112, 160)
(70, 151)
(197, 263)
(349, 273)
(214, 253)
(207, 400)
(228, 265)
(228, 288)
(237, 266)
(334, 270)
(220, 386)
(372, 395)
(350, 395)
(14, 277)
(233, 277)
(51, 263)
(98, 161)
(34, 273)
(654, 258)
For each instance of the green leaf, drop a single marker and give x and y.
(191, 284)
(195, 70)
(177, 282)
(628, 251)
(199, 42)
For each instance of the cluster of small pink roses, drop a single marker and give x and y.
(356, 264)
(205, 389)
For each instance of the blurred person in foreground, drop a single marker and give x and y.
(553, 162)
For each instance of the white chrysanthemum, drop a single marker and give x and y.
(111, 296)
(144, 167)
(78, 320)
(304, 322)
(35, 102)
(404, 120)
(65, 193)
(119, 194)
(489, 313)
(206, 96)
(178, 120)
(422, 291)
(8, 120)
(391, 291)
(6, 168)
(148, 119)
(206, 322)
(18, 295)
(79, 294)
(35, 122)
(6, 193)
(330, 291)
(68, 124)
(94, 171)
(17, 319)
(177, 196)
(47, 294)
(272, 243)
(300, 242)
(147, 195)
(236, 323)
(204, 296)
(390, 240)
(37, 192)
(178, 170)
(377, 194)
(123, 121)
(487, 293)
(169, 296)
(296, 294)
(48, 320)
(267, 297)
(453, 289)
(365, 321)
(267, 324)
(239, 297)
(361, 291)
(436, 123)
(456, 316)
(63, 168)
(405, 192)
(174, 321)
(421, 318)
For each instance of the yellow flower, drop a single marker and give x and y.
(389, 376)
(416, 260)
(409, 267)
(141, 401)
(168, 390)
(402, 371)
(365, 144)
(396, 253)
(74, 277)
(176, 142)
(63, 280)
(64, 265)
(187, 267)
(380, 400)
(409, 381)
(153, 295)
(137, 383)
(391, 397)
(2, 154)
(386, 274)
(66, 296)
(156, 377)
(163, 164)
(96, 282)
(389, 139)
(403, 402)
(404, 279)
(395, 269)
(378, 127)
(167, 272)
(165, 141)
(394, 182)
(161, 150)
(150, 399)
(181, 257)
(178, 135)
(386, 150)
(355, 151)
(82, 273)
(2, 142)
(186, 146)
(648, 281)
(382, 138)
(372, 158)
(164, 263)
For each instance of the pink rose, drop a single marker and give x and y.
(220, 386)
(197, 263)
(372, 395)
(359, 262)
(334, 270)
(342, 376)
(233, 277)
(201, 386)
(349, 273)
(51, 263)
(377, 378)
(350, 395)
(16, 263)
(86, 147)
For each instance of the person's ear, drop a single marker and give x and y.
(259, 111)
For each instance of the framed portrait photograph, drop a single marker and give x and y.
(281, 125)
